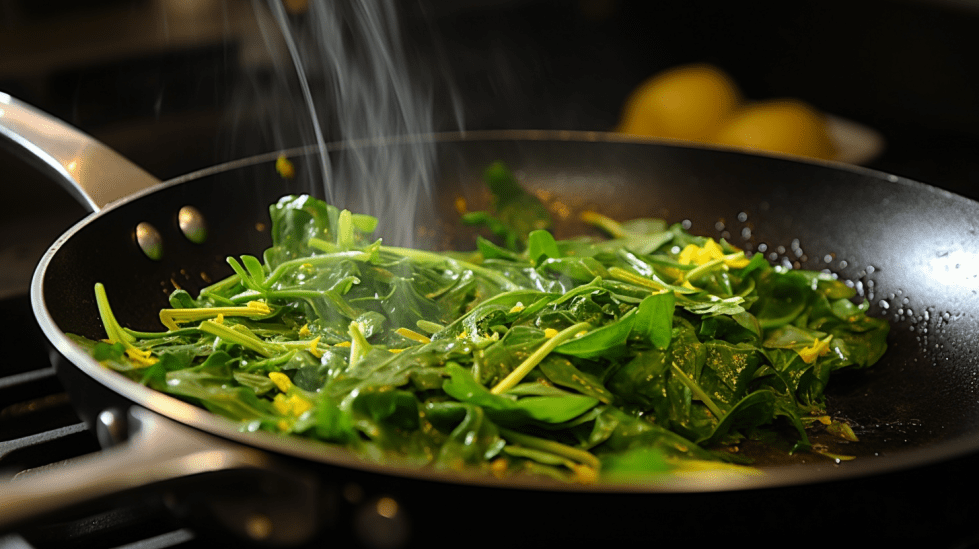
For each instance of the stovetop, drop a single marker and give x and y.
(39, 429)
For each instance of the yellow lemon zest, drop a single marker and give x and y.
(304, 331)
(281, 381)
(299, 404)
(291, 405)
(550, 332)
(462, 335)
(285, 168)
(140, 356)
(280, 404)
(583, 474)
(736, 260)
(698, 255)
(517, 308)
(818, 348)
(710, 252)
(219, 319)
(314, 347)
(259, 307)
(499, 467)
(343, 344)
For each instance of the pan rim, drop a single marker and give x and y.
(200, 419)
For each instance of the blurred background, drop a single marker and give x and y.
(177, 85)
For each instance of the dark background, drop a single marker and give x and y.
(906, 68)
(177, 85)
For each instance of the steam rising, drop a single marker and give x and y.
(352, 77)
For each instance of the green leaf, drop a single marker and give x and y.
(493, 251)
(654, 319)
(516, 213)
(577, 269)
(463, 387)
(394, 407)
(609, 338)
(181, 299)
(103, 351)
(755, 409)
(782, 297)
(540, 245)
(473, 440)
(561, 371)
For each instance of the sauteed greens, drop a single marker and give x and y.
(652, 350)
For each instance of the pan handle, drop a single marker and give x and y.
(92, 172)
(161, 452)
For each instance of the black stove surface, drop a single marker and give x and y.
(39, 429)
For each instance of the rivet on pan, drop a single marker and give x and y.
(149, 240)
(111, 428)
(192, 224)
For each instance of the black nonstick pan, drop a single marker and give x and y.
(910, 249)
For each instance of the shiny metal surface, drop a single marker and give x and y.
(95, 174)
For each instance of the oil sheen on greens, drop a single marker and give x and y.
(585, 360)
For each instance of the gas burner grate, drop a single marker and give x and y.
(39, 429)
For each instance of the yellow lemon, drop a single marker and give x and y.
(688, 102)
(781, 125)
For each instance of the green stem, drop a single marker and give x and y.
(432, 257)
(623, 275)
(429, 327)
(700, 270)
(215, 290)
(552, 447)
(697, 391)
(345, 230)
(171, 318)
(285, 266)
(604, 223)
(247, 341)
(159, 335)
(112, 327)
(308, 295)
(115, 331)
(510, 381)
(359, 347)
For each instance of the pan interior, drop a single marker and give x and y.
(908, 248)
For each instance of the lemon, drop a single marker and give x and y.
(688, 102)
(786, 126)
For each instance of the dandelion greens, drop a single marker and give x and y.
(652, 350)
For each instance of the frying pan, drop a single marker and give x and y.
(910, 249)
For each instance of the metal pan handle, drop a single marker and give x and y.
(159, 452)
(92, 172)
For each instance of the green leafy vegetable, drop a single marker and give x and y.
(516, 213)
(650, 351)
